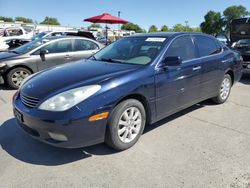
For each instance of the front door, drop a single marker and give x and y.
(59, 52)
(178, 86)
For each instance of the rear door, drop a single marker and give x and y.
(59, 52)
(177, 87)
(211, 56)
(83, 49)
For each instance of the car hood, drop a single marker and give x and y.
(8, 56)
(62, 78)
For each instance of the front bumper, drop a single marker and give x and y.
(79, 132)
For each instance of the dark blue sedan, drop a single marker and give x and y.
(135, 81)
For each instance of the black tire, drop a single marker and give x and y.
(112, 137)
(11, 74)
(219, 99)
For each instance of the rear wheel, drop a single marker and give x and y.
(224, 91)
(15, 77)
(126, 124)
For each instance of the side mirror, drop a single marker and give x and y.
(171, 61)
(43, 52)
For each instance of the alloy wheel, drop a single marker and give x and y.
(225, 88)
(129, 124)
(18, 77)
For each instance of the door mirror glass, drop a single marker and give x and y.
(172, 61)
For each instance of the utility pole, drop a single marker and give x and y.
(119, 15)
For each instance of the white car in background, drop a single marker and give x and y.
(10, 34)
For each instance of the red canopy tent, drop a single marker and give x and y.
(107, 19)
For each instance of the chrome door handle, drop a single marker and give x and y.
(67, 56)
(196, 68)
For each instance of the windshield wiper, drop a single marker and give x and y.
(110, 60)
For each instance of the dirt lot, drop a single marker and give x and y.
(206, 145)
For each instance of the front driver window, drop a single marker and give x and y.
(59, 46)
(183, 47)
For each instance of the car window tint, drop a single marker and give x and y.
(81, 45)
(183, 47)
(59, 46)
(206, 46)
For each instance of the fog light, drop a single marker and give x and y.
(58, 137)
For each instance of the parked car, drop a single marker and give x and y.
(11, 37)
(134, 81)
(63, 33)
(17, 64)
(103, 40)
(3, 45)
(239, 40)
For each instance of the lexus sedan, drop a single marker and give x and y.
(134, 81)
(17, 64)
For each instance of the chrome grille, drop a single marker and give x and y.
(30, 102)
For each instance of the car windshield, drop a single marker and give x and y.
(39, 36)
(132, 50)
(29, 46)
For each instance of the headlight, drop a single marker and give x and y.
(2, 65)
(68, 99)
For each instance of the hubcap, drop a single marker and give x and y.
(129, 124)
(225, 88)
(18, 77)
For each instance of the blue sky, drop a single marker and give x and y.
(141, 12)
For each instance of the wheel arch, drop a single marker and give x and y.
(141, 98)
(19, 66)
(231, 74)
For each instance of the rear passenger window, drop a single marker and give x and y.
(206, 46)
(182, 47)
(81, 45)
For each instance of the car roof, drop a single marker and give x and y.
(65, 37)
(167, 34)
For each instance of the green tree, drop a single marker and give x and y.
(132, 27)
(213, 23)
(50, 21)
(94, 25)
(234, 12)
(6, 19)
(196, 29)
(165, 28)
(23, 19)
(179, 28)
(152, 29)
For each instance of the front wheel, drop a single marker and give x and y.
(224, 91)
(16, 76)
(126, 124)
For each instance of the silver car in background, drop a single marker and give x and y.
(17, 64)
